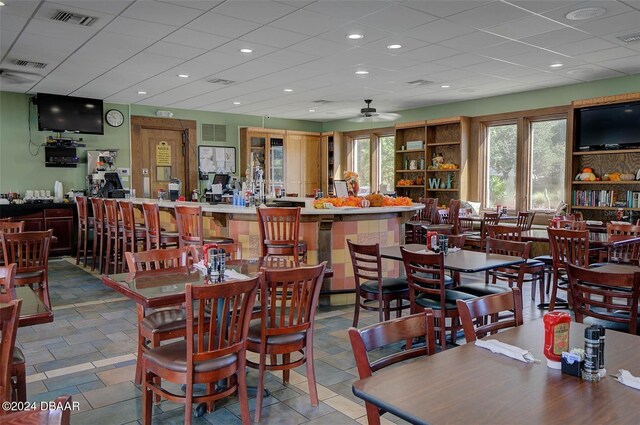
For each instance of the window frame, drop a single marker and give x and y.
(374, 136)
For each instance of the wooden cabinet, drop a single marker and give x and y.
(302, 165)
(410, 160)
(431, 159)
(332, 158)
(266, 148)
(33, 222)
(61, 221)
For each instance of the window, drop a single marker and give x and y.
(548, 148)
(372, 157)
(502, 146)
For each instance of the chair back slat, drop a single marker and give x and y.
(9, 316)
(366, 261)
(173, 260)
(569, 224)
(111, 214)
(7, 283)
(481, 316)
(279, 231)
(454, 215)
(425, 274)
(190, 224)
(151, 213)
(12, 226)
(501, 231)
(607, 296)
(624, 253)
(525, 219)
(97, 205)
(81, 207)
(29, 250)
(569, 247)
(430, 211)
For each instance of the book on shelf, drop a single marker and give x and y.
(606, 198)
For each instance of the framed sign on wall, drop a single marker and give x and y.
(217, 159)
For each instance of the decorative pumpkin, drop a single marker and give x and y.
(627, 177)
(365, 203)
(587, 170)
(615, 177)
(586, 177)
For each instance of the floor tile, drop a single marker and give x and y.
(113, 394)
(118, 375)
(302, 405)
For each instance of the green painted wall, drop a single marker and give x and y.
(20, 170)
(506, 103)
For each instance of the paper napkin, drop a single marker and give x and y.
(626, 378)
(512, 351)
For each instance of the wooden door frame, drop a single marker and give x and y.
(138, 123)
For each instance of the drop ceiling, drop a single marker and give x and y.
(478, 48)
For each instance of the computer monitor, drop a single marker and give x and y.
(222, 179)
(113, 180)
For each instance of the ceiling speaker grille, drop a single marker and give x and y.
(214, 133)
(220, 81)
(30, 64)
(630, 38)
(419, 82)
(74, 18)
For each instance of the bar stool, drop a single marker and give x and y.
(279, 230)
(132, 234)
(113, 236)
(191, 227)
(97, 205)
(156, 237)
(85, 223)
(7, 226)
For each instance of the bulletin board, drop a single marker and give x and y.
(217, 159)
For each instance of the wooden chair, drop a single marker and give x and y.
(506, 232)
(454, 215)
(9, 317)
(489, 219)
(232, 251)
(30, 252)
(113, 235)
(382, 334)
(481, 316)
(214, 349)
(569, 224)
(18, 366)
(279, 232)
(97, 253)
(427, 215)
(132, 235)
(567, 247)
(160, 325)
(9, 227)
(626, 253)
(288, 300)
(191, 227)
(85, 224)
(425, 274)
(373, 291)
(156, 236)
(525, 219)
(40, 416)
(608, 299)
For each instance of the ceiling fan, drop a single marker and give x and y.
(13, 76)
(370, 114)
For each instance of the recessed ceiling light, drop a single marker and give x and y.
(236, 103)
(288, 90)
(355, 36)
(394, 46)
(585, 13)
(556, 65)
(1, 4)
(445, 86)
(183, 75)
(312, 110)
(246, 50)
(362, 72)
(142, 92)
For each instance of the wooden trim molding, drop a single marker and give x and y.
(411, 124)
(606, 100)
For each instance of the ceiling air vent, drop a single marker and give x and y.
(419, 82)
(220, 81)
(214, 133)
(630, 38)
(74, 18)
(29, 64)
(321, 102)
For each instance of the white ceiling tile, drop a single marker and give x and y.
(261, 12)
(162, 13)
(612, 8)
(629, 65)
(438, 30)
(148, 64)
(180, 93)
(44, 44)
(407, 44)
(461, 60)
(222, 25)
(174, 50)
(584, 46)
(542, 59)
(541, 6)
(309, 23)
(506, 50)
(10, 26)
(431, 53)
(195, 4)
(501, 69)
(318, 46)
(471, 42)
(24, 8)
(556, 38)
(444, 8)
(353, 9)
(423, 71)
(250, 70)
(48, 9)
(371, 33)
(111, 7)
(60, 31)
(199, 39)
(526, 27)
(138, 28)
(274, 37)
(608, 54)
(289, 58)
(489, 15)
(396, 18)
(214, 62)
(627, 20)
(590, 72)
(233, 48)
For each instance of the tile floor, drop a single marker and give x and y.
(88, 352)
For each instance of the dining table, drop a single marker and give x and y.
(462, 261)
(471, 385)
(33, 311)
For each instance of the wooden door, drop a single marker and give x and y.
(294, 159)
(311, 163)
(162, 148)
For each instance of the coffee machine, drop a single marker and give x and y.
(99, 163)
(175, 186)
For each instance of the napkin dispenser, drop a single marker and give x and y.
(571, 363)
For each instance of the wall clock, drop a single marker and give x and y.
(114, 118)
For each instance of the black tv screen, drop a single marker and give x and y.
(608, 127)
(69, 114)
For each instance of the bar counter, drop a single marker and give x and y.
(325, 232)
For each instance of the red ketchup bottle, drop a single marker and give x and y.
(556, 337)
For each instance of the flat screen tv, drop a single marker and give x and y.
(69, 114)
(608, 127)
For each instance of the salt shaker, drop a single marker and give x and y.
(601, 370)
(592, 354)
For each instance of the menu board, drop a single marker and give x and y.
(217, 159)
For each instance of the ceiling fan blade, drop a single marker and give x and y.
(18, 77)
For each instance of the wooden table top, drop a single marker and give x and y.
(596, 239)
(461, 261)
(33, 311)
(617, 268)
(471, 385)
(167, 289)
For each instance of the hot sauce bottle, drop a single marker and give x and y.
(556, 337)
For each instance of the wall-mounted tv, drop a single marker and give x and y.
(69, 114)
(608, 127)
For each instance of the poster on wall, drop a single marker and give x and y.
(163, 154)
(217, 159)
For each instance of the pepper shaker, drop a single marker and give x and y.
(592, 354)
